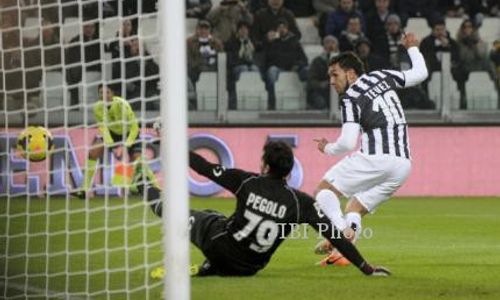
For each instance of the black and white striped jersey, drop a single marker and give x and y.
(372, 102)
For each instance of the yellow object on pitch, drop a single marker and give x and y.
(159, 272)
(34, 143)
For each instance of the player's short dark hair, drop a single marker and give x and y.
(278, 155)
(108, 86)
(349, 60)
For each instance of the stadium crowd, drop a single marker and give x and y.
(256, 35)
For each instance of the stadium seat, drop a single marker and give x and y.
(90, 80)
(109, 28)
(434, 91)
(215, 3)
(308, 30)
(481, 92)
(206, 91)
(490, 30)
(52, 93)
(191, 26)
(70, 29)
(251, 92)
(434, 88)
(31, 28)
(453, 25)
(290, 92)
(418, 26)
(312, 51)
(148, 27)
(153, 47)
(107, 66)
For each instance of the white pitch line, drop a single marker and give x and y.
(39, 291)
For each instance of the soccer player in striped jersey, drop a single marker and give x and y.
(370, 106)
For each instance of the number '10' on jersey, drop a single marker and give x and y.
(372, 102)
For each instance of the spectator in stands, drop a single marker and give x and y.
(69, 9)
(11, 56)
(323, 9)
(202, 49)
(256, 5)
(51, 45)
(198, 8)
(473, 55)
(283, 53)
(434, 45)
(128, 31)
(388, 45)
(454, 8)
(47, 45)
(92, 55)
(376, 18)
(482, 8)
(225, 17)
(138, 62)
(336, 21)
(240, 58)
(118, 47)
(367, 6)
(300, 8)
(495, 58)
(50, 11)
(418, 9)
(265, 24)
(372, 61)
(351, 34)
(318, 81)
(131, 7)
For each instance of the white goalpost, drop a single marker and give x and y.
(175, 149)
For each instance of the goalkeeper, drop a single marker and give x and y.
(119, 129)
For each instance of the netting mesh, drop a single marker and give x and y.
(54, 57)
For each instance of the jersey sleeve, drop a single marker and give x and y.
(397, 77)
(230, 179)
(351, 112)
(311, 214)
(101, 123)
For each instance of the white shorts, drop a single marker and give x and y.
(372, 179)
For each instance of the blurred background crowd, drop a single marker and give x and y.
(262, 37)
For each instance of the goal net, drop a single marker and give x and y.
(54, 57)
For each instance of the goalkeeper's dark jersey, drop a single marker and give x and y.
(265, 209)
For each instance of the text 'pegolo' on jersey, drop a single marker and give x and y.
(372, 102)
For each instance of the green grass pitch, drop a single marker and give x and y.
(437, 248)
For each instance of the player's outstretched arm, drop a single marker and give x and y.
(418, 72)
(346, 142)
(230, 179)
